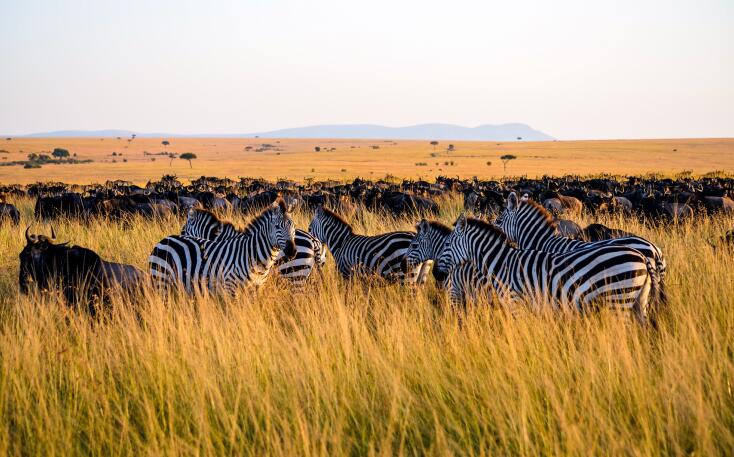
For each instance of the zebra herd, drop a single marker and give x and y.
(519, 258)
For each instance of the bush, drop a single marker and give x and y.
(32, 165)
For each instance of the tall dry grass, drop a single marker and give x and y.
(360, 369)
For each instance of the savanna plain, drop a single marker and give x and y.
(363, 368)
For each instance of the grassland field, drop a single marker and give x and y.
(364, 369)
(346, 159)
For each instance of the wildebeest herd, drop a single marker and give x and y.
(519, 248)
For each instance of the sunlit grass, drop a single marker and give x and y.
(365, 369)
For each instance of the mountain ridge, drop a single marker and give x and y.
(428, 131)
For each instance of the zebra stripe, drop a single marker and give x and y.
(530, 226)
(245, 259)
(310, 252)
(617, 276)
(383, 255)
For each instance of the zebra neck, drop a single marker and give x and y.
(536, 235)
(336, 238)
(437, 246)
(493, 257)
(228, 231)
(262, 253)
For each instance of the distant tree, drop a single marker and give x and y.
(317, 149)
(133, 136)
(188, 156)
(434, 144)
(60, 153)
(165, 144)
(450, 148)
(519, 138)
(8, 139)
(506, 159)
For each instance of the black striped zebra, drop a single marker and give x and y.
(530, 226)
(616, 276)
(241, 260)
(382, 255)
(465, 282)
(310, 252)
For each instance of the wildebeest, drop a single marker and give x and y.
(68, 204)
(598, 232)
(10, 213)
(80, 273)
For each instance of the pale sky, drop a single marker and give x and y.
(573, 69)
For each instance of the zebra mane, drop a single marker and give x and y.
(537, 208)
(439, 227)
(487, 227)
(229, 224)
(337, 218)
(223, 222)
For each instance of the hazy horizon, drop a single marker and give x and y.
(570, 69)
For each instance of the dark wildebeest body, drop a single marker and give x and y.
(80, 273)
(10, 213)
(599, 232)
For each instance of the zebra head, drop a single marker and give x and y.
(201, 223)
(453, 248)
(427, 243)
(282, 231)
(525, 222)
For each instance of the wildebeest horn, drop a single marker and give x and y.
(53, 233)
(28, 237)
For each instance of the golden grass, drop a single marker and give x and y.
(365, 370)
(297, 160)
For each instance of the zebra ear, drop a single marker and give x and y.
(280, 203)
(460, 223)
(512, 201)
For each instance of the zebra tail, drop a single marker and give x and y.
(657, 294)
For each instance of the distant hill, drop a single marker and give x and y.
(503, 132)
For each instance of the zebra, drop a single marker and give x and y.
(383, 255)
(465, 281)
(617, 276)
(310, 252)
(241, 260)
(530, 226)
